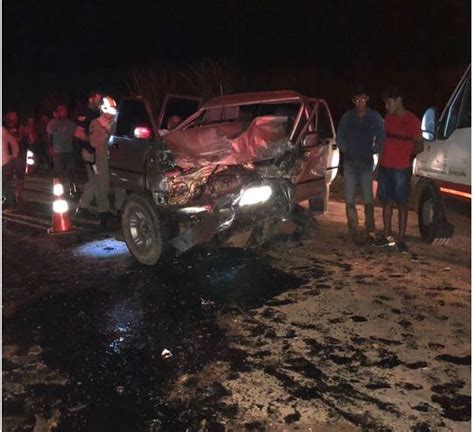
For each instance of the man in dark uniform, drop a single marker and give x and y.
(86, 114)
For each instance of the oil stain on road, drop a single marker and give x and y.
(111, 341)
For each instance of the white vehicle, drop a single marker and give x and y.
(444, 167)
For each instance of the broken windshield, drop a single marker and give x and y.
(247, 113)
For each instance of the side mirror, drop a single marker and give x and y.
(142, 132)
(311, 139)
(429, 124)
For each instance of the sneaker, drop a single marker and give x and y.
(384, 241)
(402, 247)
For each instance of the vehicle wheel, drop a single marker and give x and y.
(432, 223)
(146, 234)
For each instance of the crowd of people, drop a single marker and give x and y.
(362, 133)
(60, 144)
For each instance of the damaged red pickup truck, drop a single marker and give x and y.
(237, 162)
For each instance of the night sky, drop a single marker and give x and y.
(73, 46)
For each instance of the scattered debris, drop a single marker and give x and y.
(77, 407)
(166, 354)
(207, 303)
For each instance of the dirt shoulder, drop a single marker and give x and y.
(371, 339)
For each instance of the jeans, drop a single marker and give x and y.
(359, 173)
(64, 168)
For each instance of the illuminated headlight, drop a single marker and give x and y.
(193, 210)
(58, 189)
(30, 161)
(29, 154)
(255, 195)
(60, 206)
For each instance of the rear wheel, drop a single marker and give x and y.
(432, 223)
(146, 234)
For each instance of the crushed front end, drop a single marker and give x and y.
(252, 204)
(226, 185)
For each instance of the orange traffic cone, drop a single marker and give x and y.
(61, 223)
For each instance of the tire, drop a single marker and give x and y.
(432, 223)
(145, 233)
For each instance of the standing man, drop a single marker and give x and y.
(18, 164)
(359, 136)
(97, 164)
(10, 150)
(61, 132)
(403, 142)
(84, 118)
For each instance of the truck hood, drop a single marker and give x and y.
(230, 143)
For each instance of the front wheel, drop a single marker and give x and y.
(146, 234)
(432, 223)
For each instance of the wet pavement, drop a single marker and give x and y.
(107, 339)
(312, 335)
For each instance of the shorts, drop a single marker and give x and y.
(394, 185)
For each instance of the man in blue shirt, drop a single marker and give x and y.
(360, 135)
(61, 132)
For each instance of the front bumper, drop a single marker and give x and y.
(237, 211)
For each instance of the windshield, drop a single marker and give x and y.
(247, 113)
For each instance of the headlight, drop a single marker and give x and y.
(193, 210)
(255, 195)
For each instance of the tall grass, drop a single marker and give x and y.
(208, 78)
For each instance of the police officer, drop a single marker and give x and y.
(97, 164)
(84, 118)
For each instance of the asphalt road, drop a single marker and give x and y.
(309, 334)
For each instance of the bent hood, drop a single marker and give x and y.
(230, 143)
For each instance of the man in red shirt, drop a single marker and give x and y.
(403, 141)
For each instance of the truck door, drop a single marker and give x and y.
(320, 164)
(459, 142)
(326, 130)
(177, 105)
(448, 158)
(134, 136)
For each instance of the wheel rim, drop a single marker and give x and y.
(427, 212)
(141, 229)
